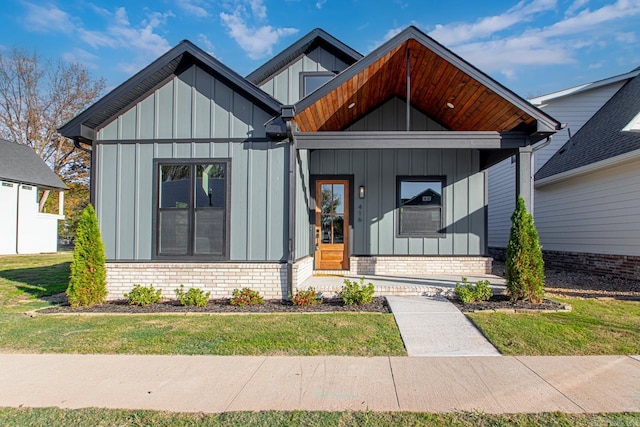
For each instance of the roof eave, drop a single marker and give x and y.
(545, 123)
(76, 128)
(317, 35)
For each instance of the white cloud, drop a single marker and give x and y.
(595, 66)
(558, 43)
(626, 37)
(574, 7)
(78, 55)
(206, 43)
(320, 3)
(120, 33)
(48, 18)
(387, 36)
(256, 39)
(455, 33)
(258, 9)
(193, 7)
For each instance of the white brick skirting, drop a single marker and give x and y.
(419, 265)
(270, 279)
(302, 270)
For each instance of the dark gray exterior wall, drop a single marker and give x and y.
(193, 115)
(285, 86)
(375, 217)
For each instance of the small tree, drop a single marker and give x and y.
(524, 268)
(88, 281)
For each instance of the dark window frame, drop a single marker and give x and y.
(312, 73)
(190, 256)
(422, 178)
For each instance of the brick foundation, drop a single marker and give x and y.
(618, 266)
(419, 265)
(270, 279)
(302, 270)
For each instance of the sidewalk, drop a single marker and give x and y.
(255, 383)
(433, 326)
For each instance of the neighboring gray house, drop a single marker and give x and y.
(573, 107)
(310, 155)
(25, 183)
(588, 193)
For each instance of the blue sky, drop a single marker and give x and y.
(532, 46)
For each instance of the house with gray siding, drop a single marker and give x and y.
(587, 198)
(322, 160)
(574, 107)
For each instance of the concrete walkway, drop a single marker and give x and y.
(218, 383)
(433, 326)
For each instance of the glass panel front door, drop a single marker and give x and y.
(332, 224)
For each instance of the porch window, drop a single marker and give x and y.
(313, 80)
(419, 206)
(191, 219)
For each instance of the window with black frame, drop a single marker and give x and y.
(311, 81)
(192, 209)
(419, 206)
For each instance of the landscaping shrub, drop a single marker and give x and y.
(88, 278)
(353, 293)
(246, 296)
(143, 295)
(468, 292)
(194, 296)
(524, 267)
(306, 297)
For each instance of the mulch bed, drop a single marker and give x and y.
(378, 305)
(502, 303)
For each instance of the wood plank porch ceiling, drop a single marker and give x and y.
(434, 83)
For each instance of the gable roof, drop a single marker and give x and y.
(440, 80)
(602, 137)
(20, 164)
(315, 38)
(538, 100)
(83, 127)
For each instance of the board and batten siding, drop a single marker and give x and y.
(194, 115)
(285, 85)
(391, 115)
(595, 213)
(303, 206)
(375, 217)
(574, 110)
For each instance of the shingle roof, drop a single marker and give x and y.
(19, 163)
(602, 137)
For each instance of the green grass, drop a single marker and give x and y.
(109, 417)
(299, 335)
(24, 280)
(594, 327)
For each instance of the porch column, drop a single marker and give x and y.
(524, 177)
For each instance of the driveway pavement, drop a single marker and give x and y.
(229, 383)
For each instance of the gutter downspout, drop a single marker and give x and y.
(287, 116)
(92, 196)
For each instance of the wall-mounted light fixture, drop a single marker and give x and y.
(361, 192)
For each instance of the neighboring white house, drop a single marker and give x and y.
(24, 179)
(572, 107)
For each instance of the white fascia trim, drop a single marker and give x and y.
(613, 161)
(581, 88)
(634, 124)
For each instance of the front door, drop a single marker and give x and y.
(332, 224)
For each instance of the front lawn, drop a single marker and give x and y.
(26, 280)
(112, 417)
(594, 327)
